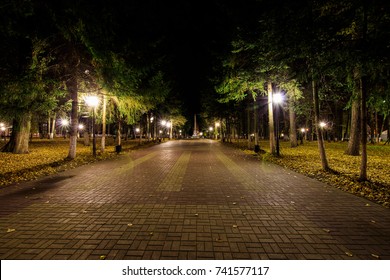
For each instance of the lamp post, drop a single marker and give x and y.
(93, 101)
(322, 126)
(302, 134)
(210, 131)
(80, 128)
(64, 124)
(2, 128)
(277, 99)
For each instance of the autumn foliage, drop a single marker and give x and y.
(345, 169)
(48, 157)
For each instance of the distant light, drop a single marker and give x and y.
(81, 126)
(217, 124)
(282, 135)
(1, 124)
(91, 101)
(164, 122)
(277, 98)
(3, 128)
(210, 128)
(151, 119)
(180, 130)
(201, 133)
(64, 122)
(137, 130)
(168, 124)
(160, 131)
(303, 130)
(322, 124)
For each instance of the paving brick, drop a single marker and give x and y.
(187, 200)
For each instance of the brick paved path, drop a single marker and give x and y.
(188, 200)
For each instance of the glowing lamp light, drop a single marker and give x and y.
(137, 130)
(2, 128)
(168, 124)
(91, 101)
(1, 124)
(322, 124)
(278, 98)
(64, 122)
(303, 130)
(164, 122)
(217, 124)
(81, 126)
(210, 128)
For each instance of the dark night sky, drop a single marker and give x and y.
(189, 35)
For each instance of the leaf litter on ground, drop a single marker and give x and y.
(305, 159)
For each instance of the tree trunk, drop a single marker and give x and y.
(104, 113)
(18, 143)
(171, 130)
(377, 132)
(373, 130)
(248, 128)
(363, 97)
(155, 129)
(118, 133)
(52, 126)
(320, 138)
(148, 132)
(255, 126)
(363, 163)
(354, 143)
(71, 85)
(272, 144)
(293, 128)
(49, 127)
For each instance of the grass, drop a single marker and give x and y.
(305, 159)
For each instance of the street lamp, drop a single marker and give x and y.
(64, 125)
(93, 101)
(303, 130)
(277, 99)
(64, 122)
(210, 129)
(2, 128)
(322, 126)
(80, 128)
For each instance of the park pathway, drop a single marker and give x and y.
(189, 199)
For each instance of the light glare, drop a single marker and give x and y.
(278, 98)
(91, 101)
